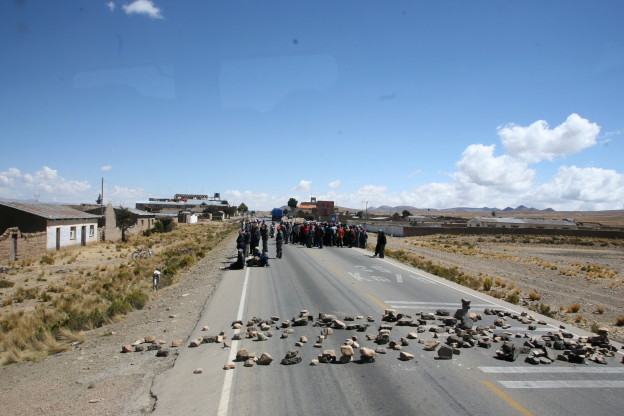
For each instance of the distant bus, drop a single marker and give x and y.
(277, 214)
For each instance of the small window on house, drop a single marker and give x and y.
(72, 233)
(92, 231)
(142, 222)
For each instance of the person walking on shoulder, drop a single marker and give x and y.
(381, 245)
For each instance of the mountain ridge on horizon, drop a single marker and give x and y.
(401, 208)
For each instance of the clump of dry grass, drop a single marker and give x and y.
(619, 321)
(574, 308)
(533, 295)
(600, 310)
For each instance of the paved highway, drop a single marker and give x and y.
(349, 282)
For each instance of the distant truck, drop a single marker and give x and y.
(277, 214)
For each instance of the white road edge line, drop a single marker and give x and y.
(229, 374)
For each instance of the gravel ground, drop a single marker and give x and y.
(94, 378)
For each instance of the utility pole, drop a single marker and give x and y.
(102, 200)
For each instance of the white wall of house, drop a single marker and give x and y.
(71, 234)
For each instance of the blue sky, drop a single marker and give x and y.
(433, 104)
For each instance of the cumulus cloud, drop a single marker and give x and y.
(503, 173)
(254, 200)
(538, 142)
(45, 182)
(334, 184)
(144, 7)
(124, 196)
(575, 188)
(304, 186)
(111, 6)
(106, 168)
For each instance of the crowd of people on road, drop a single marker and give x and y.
(253, 238)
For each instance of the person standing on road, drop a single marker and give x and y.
(279, 239)
(381, 244)
(363, 238)
(264, 232)
(247, 247)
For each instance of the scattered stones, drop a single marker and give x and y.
(328, 356)
(149, 339)
(367, 355)
(162, 352)
(242, 355)
(249, 362)
(229, 367)
(205, 328)
(198, 371)
(431, 345)
(265, 359)
(127, 348)
(445, 352)
(292, 357)
(406, 356)
(196, 342)
(314, 362)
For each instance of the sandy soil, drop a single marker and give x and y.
(94, 378)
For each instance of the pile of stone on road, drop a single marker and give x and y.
(438, 332)
(150, 343)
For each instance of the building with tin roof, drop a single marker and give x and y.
(29, 230)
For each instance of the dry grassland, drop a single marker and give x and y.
(46, 303)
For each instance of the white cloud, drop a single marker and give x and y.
(255, 201)
(45, 183)
(575, 188)
(304, 186)
(111, 5)
(503, 173)
(145, 7)
(538, 142)
(124, 196)
(106, 168)
(414, 173)
(334, 184)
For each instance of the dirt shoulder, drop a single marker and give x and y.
(94, 378)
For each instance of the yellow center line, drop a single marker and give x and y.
(378, 302)
(334, 269)
(507, 398)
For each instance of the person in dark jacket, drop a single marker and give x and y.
(279, 239)
(381, 244)
(363, 238)
(239, 263)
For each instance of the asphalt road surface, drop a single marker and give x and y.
(350, 282)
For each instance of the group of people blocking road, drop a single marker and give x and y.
(310, 234)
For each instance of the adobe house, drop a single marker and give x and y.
(29, 230)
